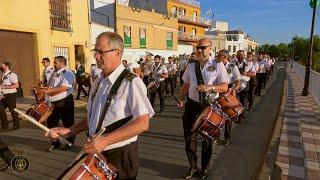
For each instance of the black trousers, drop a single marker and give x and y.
(192, 110)
(146, 80)
(171, 84)
(181, 75)
(8, 101)
(227, 130)
(126, 159)
(81, 89)
(252, 88)
(160, 92)
(243, 98)
(260, 81)
(64, 110)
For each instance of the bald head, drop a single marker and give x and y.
(204, 42)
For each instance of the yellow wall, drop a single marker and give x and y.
(189, 12)
(155, 24)
(33, 16)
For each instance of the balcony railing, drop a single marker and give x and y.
(192, 19)
(195, 3)
(182, 36)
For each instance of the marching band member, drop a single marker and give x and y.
(8, 88)
(234, 83)
(261, 73)
(80, 72)
(46, 72)
(181, 68)
(214, 78)
(171, 80)
(253, 81)
(128, 113)
(6, 155)
(59, 92)
(159, 72)
(247, 70)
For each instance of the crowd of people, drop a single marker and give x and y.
(122, 98)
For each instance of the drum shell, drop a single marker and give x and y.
(76, 171)
(209, 123)
(40, 111)
(230, 105)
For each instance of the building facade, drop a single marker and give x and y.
(55, 27)
(238, 40)
(146, 27)
(191, 26)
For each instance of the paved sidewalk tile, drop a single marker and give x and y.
(299, 148)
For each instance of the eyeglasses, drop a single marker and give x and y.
(43, 62)
(201, 47)
(100, 52)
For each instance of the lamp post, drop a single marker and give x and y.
(305, 90)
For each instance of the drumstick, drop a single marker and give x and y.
(175, 98)
(35, 122)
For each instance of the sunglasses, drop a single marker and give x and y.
(201, 47)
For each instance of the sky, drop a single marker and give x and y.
(267, 21)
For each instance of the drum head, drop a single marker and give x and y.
(199, 119)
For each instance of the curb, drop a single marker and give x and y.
(269, 169)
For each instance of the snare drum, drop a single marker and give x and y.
(41, 111)
(209, 122)
(153, 86)
(230, 104)
(89, 167)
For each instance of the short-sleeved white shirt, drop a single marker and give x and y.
(213, 73)
(131, 100)
(95, 71)
(172, 68)
(62, 77)
(47, 73)
(157, 70)
(233, 72)
(8, 79)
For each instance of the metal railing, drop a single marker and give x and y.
(190, 18)
(189, 36)
(195, 3)
(314, 79)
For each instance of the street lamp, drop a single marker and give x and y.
(305, 90)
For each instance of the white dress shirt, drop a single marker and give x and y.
(8, 79)
(157, 70)
(233, 72)
(47, 73)
(62, 77)
(131, 100)
(213, 73)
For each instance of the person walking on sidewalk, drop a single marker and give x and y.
(9, 85)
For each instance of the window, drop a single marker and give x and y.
(229, 48)
(127, 36)
(61, 51)
(195, 16)
(234, 49)
(142, 33)
(174, 11)
(194, 31)
(169, 40)
(60, 15)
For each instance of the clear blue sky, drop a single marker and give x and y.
(268, 21)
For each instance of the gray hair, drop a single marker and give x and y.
(115, 41)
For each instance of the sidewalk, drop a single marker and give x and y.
(299, 150)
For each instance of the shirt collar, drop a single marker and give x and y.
(7, 73)
(115, 74)
(60, 70)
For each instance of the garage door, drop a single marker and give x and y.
(18, 49)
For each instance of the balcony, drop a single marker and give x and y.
(189, 37)
(194, 20)
(195, 3)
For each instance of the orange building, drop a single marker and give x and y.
(191, 26)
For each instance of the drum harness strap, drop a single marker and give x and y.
(113, 91)
(199, 81)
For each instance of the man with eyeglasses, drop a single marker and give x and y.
(214, 78)
(46, 72)
(125, 115)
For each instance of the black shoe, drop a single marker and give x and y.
(227, 142)
(16, 127)
(66, 147)
(204, 174)
(54, 146)
(192, 172)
